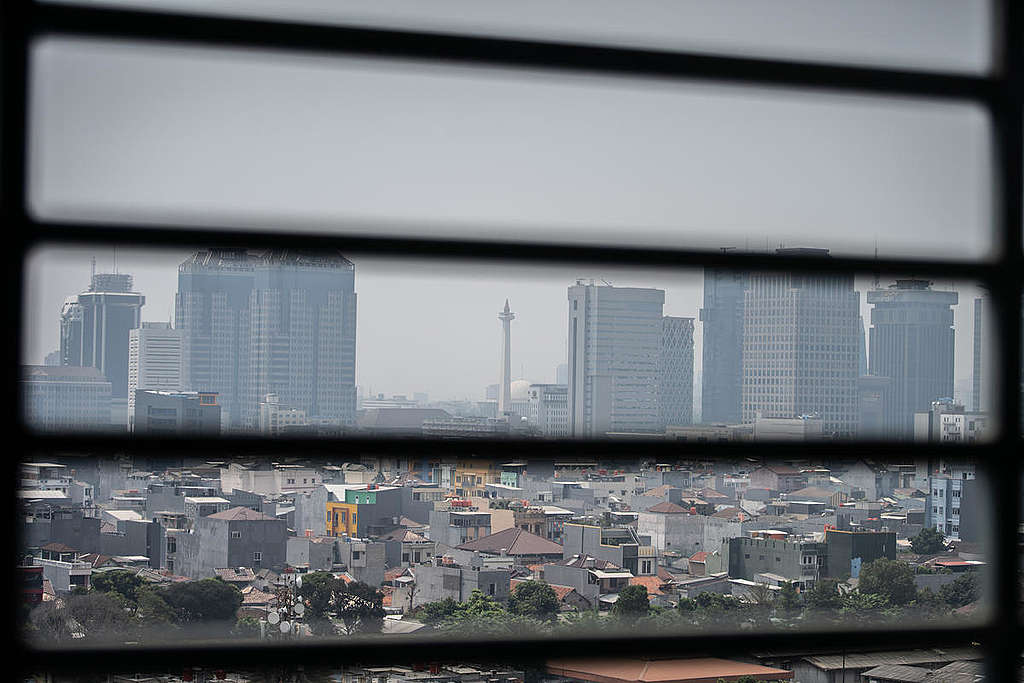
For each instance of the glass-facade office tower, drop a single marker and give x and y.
(912, 344)
(270, 322)
(614, 359)
(675, 383)
(800, 349)
(95, 324)
(722, 353)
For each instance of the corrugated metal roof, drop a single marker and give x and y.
(907, 657)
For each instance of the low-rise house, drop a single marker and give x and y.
(622, 546)
(404, 548)
(800, 562)
(239, 537)
(63, 568)
(777, 477)
(568, 597)
(457, 526)
(524, 547)
(591, 577)
(239, 577)
(440, 581)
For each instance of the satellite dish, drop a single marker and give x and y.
(300, 609)
(285, 627)
(298, 581)
(273, 617)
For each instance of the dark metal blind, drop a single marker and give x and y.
(999, 93)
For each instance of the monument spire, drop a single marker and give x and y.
(506, 317)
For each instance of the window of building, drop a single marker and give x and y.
(257, 557)
(236, 534)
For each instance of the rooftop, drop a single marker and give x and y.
(690, 670)
(513, 542)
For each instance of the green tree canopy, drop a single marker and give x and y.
(928, 541)
(360, 607)
(632, 603)
(205, 600)
(890, 579)
(118, 581)
(963, 590)
(318, 591)
(534, 599)
(151, 609)
(435, 612)
(824, 595)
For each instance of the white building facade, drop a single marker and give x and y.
(549, 409)
(154, 360)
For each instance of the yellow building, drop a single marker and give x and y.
(472, 476)
(341, 519)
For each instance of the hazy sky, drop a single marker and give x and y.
(421, 326)
(251, 140)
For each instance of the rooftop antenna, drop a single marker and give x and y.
(92, 276)
(115, 260)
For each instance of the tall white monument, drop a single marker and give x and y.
(505, 387)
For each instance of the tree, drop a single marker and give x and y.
(788, 599)
(435, 612)
(890, 579)
(318, 590)
(118, 581)
(360, 607)
(534, 599)
(50, 622)
(963, 590)
(824, 595)
(151, 609)
(205, 600)
(247, 627)
(98, 615)
(632, 603)
(928, 541)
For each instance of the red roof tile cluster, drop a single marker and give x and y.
(560, 591)
(668, 508)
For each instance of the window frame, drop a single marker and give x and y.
(999, 93)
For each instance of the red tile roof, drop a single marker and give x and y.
(700, 556)
(560, 591)
(653, 584)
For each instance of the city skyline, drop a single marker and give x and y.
(453, 302)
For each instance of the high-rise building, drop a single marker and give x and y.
(276, 419)
(270, 322)
(506, 317)
(912, 343)
(722, 353)
(94, 327)
(614, 359)
(675, 382)
(176, 412)
(549, 409)
(154, 360)
(562, 374)
(983, 353)
(65, 398)
(800, 347)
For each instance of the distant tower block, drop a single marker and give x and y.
(505, 388)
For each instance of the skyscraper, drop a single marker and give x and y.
(614, 359)
(270, 322)
(722, 353)
(155, 360)
(911, 343)
(983, 350)
(800, 353)
(94, 327)
(675, 382)
(506, 317)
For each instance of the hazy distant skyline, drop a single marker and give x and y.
(423, 326)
